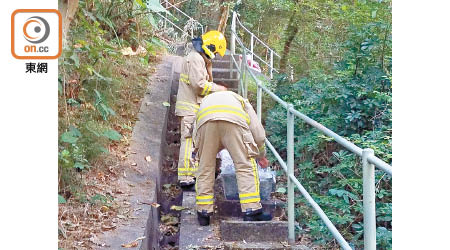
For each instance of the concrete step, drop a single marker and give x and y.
(192, 235)
(262, 246)
(223, 70)
(223, 64)
(237, 245)
(253, 231)
(227, 208)
(225, 58)
(225, 74)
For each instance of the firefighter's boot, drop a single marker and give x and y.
(203, 218)
(257, 215)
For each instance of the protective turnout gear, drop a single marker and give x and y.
(193, 85)
(214, 42)
(226, 120)
(186, 165)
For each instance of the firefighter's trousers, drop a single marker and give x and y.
(212, 137)
(186, 165)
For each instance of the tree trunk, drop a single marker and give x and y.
(224, 10)
(68, 9)
(291, 32)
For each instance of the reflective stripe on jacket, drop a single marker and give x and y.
(231, 107)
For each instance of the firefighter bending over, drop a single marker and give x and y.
(227, 120)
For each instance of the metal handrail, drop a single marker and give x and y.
(344, 142)
(369, 160)
(195, 26)
(253, 37)
(167, 20)
(184, 14)
(265, 62)
(263, 43)
(308, 197)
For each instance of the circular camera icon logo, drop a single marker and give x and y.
(36, 29)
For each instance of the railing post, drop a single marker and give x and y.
(251, 46)
(290, 168)
(259, 102)
(233, 45)
(243, 74)
(233, 36)
(192, 28)
(271, 64)
(370, 241)
(240, 86)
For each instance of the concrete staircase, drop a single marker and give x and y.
(223, 74)
(228, 230)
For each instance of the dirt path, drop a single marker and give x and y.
(140, 179)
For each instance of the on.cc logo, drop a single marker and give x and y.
(36, 29)
(36, 34)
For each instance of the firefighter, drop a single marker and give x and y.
(195, 83)
(227, 120)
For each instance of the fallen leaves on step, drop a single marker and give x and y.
(104, 209)
(148, 158)
(109, 227)
(166, 104)
(134, 243)
(129, 51)
(134, 164)
(177, 208)
(168, 230)
(169, 220)
(285, 243)
(96, 241)
(171, 190)
(130, 245)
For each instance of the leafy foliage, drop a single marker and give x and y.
(61, 199)
(343, 64)
(98, 85)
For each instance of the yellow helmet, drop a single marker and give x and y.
(214, 42)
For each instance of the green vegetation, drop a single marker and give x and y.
(341, 55)
(100, 84)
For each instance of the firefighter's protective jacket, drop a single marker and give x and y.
(193, 84)
(231, 107)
